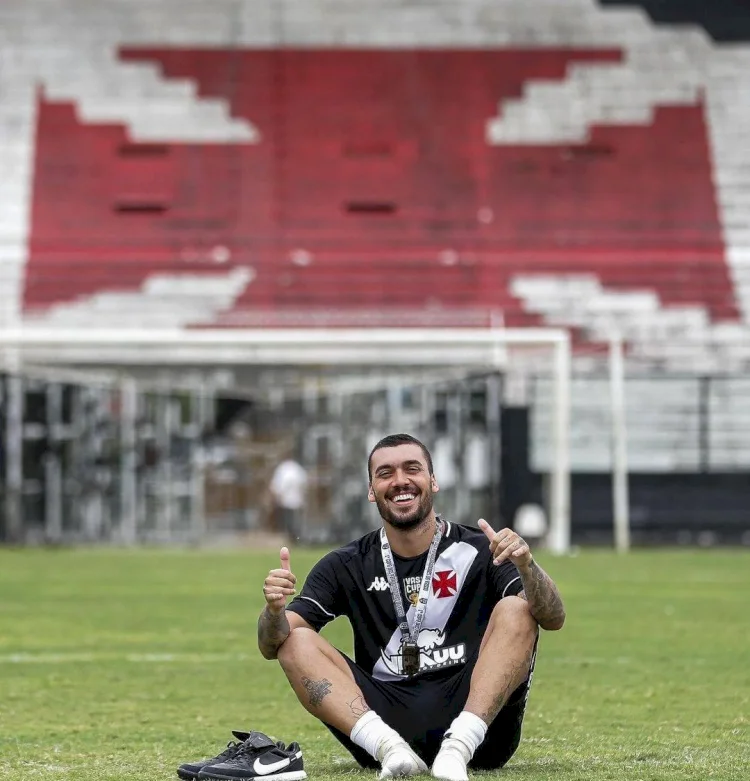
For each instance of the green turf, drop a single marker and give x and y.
(122, 664)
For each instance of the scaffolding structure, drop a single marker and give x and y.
(116, 438)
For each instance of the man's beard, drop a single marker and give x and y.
(405, 522)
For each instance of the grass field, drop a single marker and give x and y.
(121, 664)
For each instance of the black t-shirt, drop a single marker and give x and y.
(466, 586)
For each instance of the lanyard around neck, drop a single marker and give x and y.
(407, 632)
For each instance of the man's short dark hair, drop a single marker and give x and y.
(394, 440)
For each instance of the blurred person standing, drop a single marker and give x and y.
(288, 492)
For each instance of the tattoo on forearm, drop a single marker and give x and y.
(273, 629)
(318, 690)
(517, 673)
(544, 599)
(358, 706)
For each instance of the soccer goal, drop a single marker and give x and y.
(338, 363)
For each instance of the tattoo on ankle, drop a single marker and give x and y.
(358, 706)
(318, 690)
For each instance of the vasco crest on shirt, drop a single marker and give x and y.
(411, 589)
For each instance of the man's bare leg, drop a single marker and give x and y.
(504, 658)
(502, 666)
(325, 686)
(322, 680)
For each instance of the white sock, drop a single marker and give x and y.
(370, 731)
(469, 729)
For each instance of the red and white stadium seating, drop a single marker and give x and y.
(174, 162)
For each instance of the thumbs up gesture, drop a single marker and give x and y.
(279, 584)
(506, 544)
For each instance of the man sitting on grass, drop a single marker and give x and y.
(445, 620)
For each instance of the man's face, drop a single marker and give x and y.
(401, 485)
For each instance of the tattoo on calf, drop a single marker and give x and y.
(358, 706)
(318, 690)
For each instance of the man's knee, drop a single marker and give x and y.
(300, 641)
(305, 651)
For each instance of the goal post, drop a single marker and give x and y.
(466, 348)
(620, 488)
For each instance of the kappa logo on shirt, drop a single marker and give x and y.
(379, 584)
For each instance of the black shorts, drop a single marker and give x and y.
(422, 710)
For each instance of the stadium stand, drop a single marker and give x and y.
(593, 143)
(569, 162)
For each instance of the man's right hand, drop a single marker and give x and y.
(279, 584)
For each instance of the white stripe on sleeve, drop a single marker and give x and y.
(332, 615)
(508, 586)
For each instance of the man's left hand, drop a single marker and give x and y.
(506, 544)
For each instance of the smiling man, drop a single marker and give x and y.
(445, 620)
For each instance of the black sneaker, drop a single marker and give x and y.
(189, 771)
(259, 757)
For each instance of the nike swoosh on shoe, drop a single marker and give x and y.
(264, 770)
